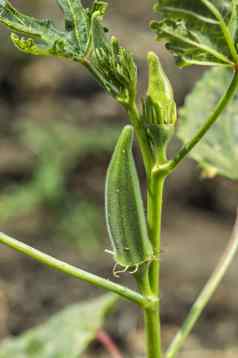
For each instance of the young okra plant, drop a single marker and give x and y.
(204, 33)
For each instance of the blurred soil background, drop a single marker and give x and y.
(58, 129)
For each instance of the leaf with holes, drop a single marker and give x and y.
(41, 37)
(67, 334)
(202, 32)
(217, 153)
(84, 40)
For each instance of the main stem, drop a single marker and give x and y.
(152, 314)
(155, 204)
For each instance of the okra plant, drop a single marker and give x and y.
(197, 32)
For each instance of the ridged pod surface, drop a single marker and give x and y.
(125, 215)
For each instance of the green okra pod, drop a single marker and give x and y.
(125, 215)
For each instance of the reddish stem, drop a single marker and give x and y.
(108, 343)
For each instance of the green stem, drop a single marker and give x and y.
(155, 204)
(205, 295)
(74, 271)
(152, 331)
(211, 120)
(152, 314)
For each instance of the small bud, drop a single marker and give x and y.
(116, 67)
(160, 93)
(159, 107)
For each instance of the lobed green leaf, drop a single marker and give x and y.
(202, 32)
(41, 37)
(217, 153)
(84, 39)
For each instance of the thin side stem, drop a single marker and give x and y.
(205, 295)
(210, 121)
(73, 271)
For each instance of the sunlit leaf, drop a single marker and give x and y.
(65, 335)
(200, 32)
(84, 40)
(217, 153)
(41, 37)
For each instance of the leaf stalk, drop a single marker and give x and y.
(73, 271)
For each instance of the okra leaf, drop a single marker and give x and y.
(84, 40)
(202, 32)
(67, 334)
(217, 153)
(78, 20)
(41, 37)
(75, 17)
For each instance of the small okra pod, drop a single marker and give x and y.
(125, 214)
